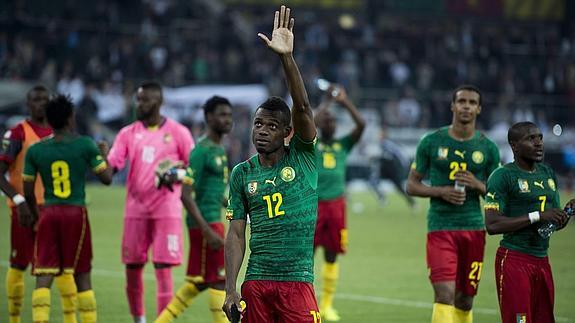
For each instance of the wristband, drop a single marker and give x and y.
(18, 199)
(534, 217)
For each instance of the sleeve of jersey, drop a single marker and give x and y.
(494, 160)
(119, 151)
(95, 159)
(348, 142)
(237, 204)
(30, 169)
(186, 144)
(421, 162)
(196, 164)
(497, 191)
(307, 158)
(11, 144)
(557, 197)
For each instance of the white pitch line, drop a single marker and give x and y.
(352, 297)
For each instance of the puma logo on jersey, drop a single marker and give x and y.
(540, 184)
(271, 181)
(491, 195)
(459, 153)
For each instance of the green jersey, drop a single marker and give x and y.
(282, 205)
(208, 171)
(331, 162)
(62, 165)
(441, 156)
(515, 192)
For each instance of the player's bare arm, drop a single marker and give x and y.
(5, 186)
(235, 248)
(214, 240)
(344, 100)
(415, 187)
(282, 44)
(467, 178)
(568, 205)
(496, 222)
(28, 212)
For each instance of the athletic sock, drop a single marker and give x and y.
(41, 305)
(68, 296)
(462, 316)
(15, 292)
(164, 288)
(330, 275)
(87, 306)
(442, 313)
(135, 290)
(216, 302)
(183, 298)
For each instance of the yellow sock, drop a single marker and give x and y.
(15, 292)
(87, 306)
(217, 298)
(443, 313)
(69, 296)
(462, 316)
(330, 274)
(41, 305)
(183, 298)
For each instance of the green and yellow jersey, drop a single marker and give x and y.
(62, 165)
(441, 156)
(515, 192)
(281, 202)
(331, 164)
(208, 172)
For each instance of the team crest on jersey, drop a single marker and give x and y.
(287, 174)
(219, 160)
(521, 318)
(551, 184)
(442, 152)
(336, 146)
(477, 157)
(523, 185)
(167, 138)
(252, 188)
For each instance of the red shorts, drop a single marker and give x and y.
(456, 256)
(279, 302)
(331, 230)
(63, 242)
(21, 242)
(524, 287)
(205, 265)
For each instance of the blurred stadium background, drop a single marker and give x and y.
(398, 59)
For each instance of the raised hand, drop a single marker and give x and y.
(282, 35)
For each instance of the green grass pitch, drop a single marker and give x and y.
(383, 277)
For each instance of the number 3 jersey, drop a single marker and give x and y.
(440, 156)
(62, 165)
(282, 205)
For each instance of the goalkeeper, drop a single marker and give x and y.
(151, 145)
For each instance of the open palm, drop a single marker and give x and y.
(282, 35)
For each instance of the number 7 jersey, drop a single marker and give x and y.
(282, 205)
(440, 156)
(62, 165)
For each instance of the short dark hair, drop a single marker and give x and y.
(58, 110)
(151, 85)
(275, 103)
(39, 88)
(213, 102)
(465, 87)
(517, 131)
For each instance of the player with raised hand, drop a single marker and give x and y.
(458, 159)
(63, 241)
(206, 180)
(522, 196)
(153, 214)
(277, 187)
(331, 229)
